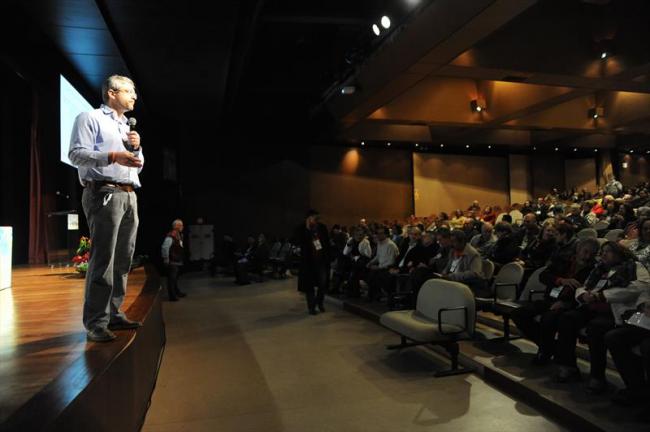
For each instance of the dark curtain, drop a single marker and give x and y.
(37, 220)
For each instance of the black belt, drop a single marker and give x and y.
(98, 184)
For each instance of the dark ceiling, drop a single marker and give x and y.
(275, 67)
(234, 63)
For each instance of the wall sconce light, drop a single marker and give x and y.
(478, 105)
(596, 112)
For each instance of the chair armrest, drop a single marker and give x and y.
(531, 293)
(463, 308)
(499, 285)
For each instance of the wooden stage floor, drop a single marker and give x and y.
(44, 355)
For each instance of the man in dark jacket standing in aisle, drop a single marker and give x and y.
(315, 257)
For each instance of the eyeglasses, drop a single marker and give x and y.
(127, 91)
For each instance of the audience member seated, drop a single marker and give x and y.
(464, 264)
(620, 342)
(640, 246)
(576, 218)
(538, 252)
(253, 261)
(568, 269)
(407, 250)
(488, 215)
(506, 249)
(384, 259)
(484, 242)
(623, 217)
(356, 255)
(612, 288)
(527, 235)
(458, 220)
(438, 255)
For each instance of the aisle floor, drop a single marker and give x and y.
(249, 358)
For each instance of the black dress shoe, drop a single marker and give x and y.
(124, 324)
(100, 334)
(180, 294)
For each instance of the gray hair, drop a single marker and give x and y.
(114, 82)
(176, 221)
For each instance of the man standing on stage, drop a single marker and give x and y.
(109, 158)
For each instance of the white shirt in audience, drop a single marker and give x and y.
(387, 252)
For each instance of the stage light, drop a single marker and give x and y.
(375, 29)
(596, 112)
(385, 22)
(348, 90)
(478, 105)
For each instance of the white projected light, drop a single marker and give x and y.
(71, 105)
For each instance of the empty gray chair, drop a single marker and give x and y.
(445, 313)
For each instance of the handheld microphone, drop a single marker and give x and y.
(131, 122)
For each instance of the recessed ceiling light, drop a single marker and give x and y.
(442, 145)
(575, 149)
(596, 150)
(489, 146)
(534, 148)
(363, 143)
(417, 145)
(631, 151)
(375, 29)
(385, 22)
(466, 145)
(603, 55)
(388, 144)
(556, 149)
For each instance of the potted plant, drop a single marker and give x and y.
(82, 255)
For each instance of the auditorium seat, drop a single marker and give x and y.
(445, 313)
(615, 235)
(587, 233)
(504, 291)
(488, 270)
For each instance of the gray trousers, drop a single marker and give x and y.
(112, 216)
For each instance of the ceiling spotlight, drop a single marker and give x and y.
(442, 145)
(348, 90)
(631, 151)
(603, 55)
(534, 148)
(466, 145)
(385, 22)
(477, 105)
(489, 146)
(596, 112)
(575, 149)
(388, 144)
(595, 150)
(363, 143)
(375, 29)
(417, 145)
(556, 149)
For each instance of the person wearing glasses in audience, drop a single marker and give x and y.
(109, 158)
